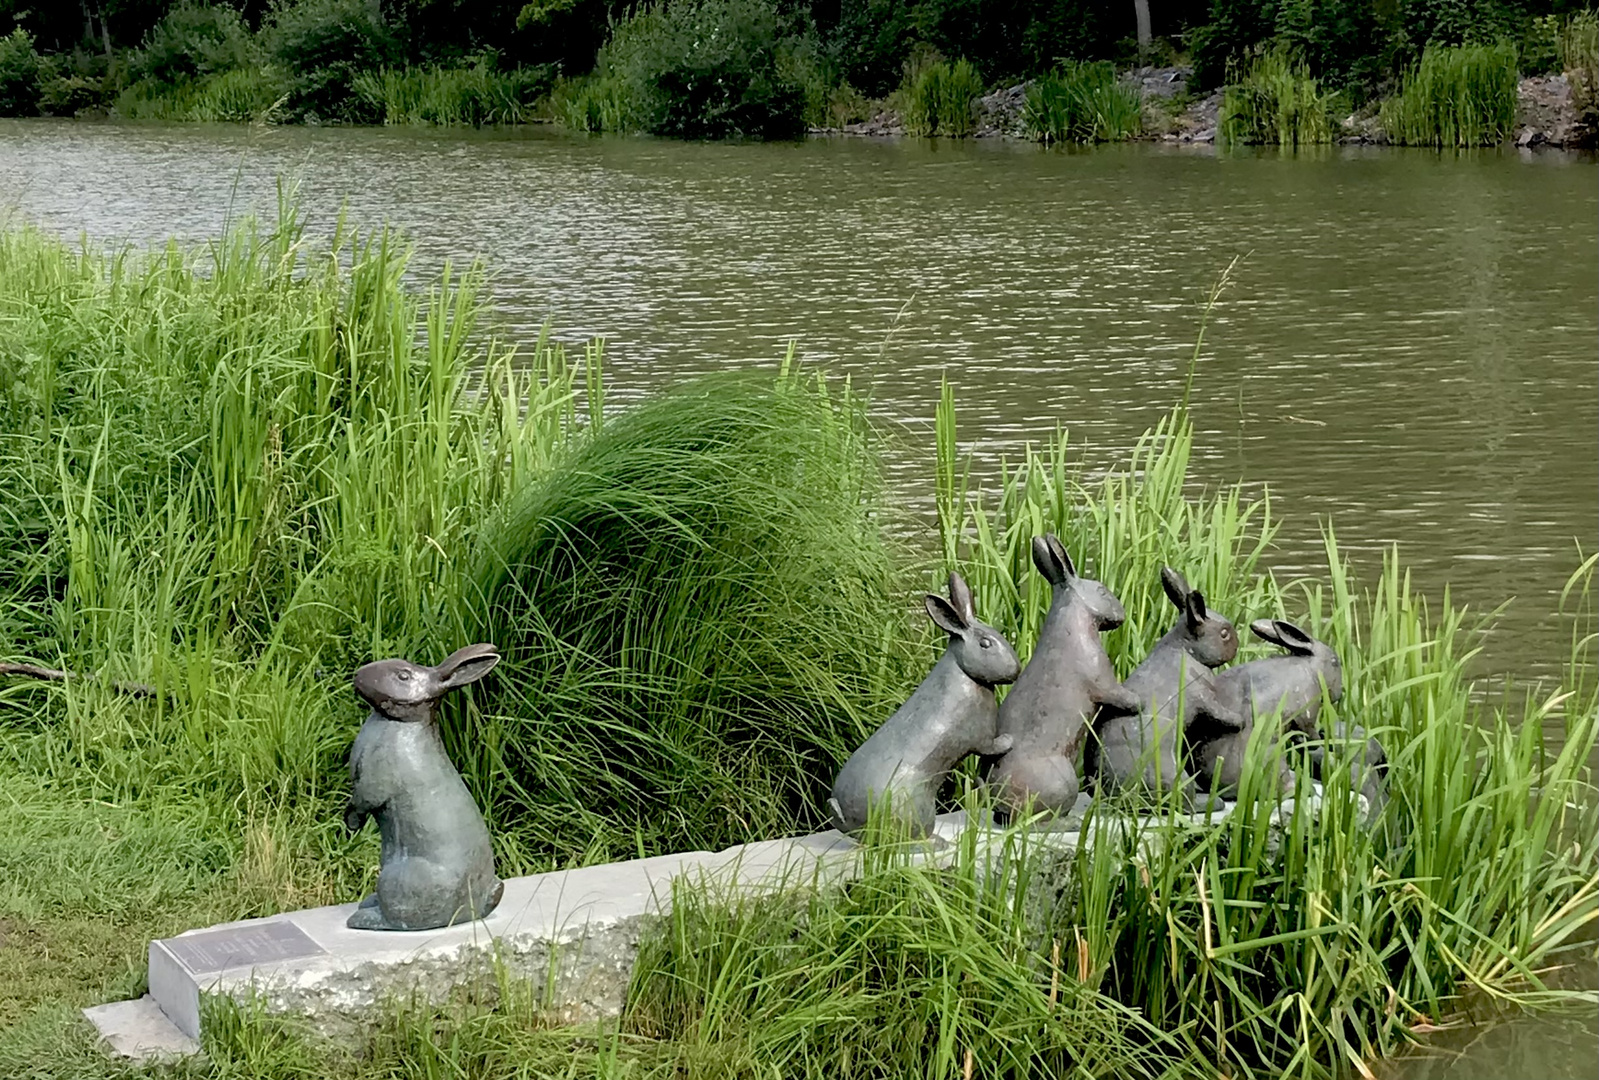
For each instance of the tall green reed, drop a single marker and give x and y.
(940, 97)
(472, 96)
(233, 471)
(1081, 103)
(1455, 97)
(1276, 102)
(1286, 939)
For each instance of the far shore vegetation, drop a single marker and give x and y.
(1425, 72)
(233, 473)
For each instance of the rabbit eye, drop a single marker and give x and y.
(985, 642)
(1226, 633)
(405, 676)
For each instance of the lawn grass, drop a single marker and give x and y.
(234, 474)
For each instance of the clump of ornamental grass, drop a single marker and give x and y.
(1276, 102)
(1455, 97)
(939, 97)
(1082, 103)
(700, 615)
(472, 96)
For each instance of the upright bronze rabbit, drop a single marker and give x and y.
(1067, 679)
(950, 715)
(438, 863)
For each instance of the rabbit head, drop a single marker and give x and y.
(1321, 657)
(1050, 556)
(401, 690)
(1206, 636)
(980, 650)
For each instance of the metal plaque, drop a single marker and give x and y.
(242, 946)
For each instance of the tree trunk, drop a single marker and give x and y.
(1141, 10)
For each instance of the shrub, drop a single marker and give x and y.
(1539, 49)
(708, 69)
(939, 97)
(1463, 96)
(1081, 103)
(244, 95)
(872, 40)
(322, 45)
(192, 41)
(19, 75)
(1276, 103)
(68, 95)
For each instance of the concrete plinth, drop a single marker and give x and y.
(572, 935)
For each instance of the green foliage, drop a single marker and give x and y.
(872, 41)
(709, 69)
(1463, 96)
(322, 45)
(1276, 103)
(67, 95)
(1082, 103)
(192, 41)
(19, 75)
(1579, 56)
(911, 970)
(1539, 50)
(472, 96)
(243, 95)
(594, 103)
(700, 617)
(1302, 952)
(235, 474)
(1352, 45)
(223, 477)
(940, 97)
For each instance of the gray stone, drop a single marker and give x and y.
(139, 1030)
(573, 935)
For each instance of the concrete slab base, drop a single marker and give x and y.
(140, 1030)
(571, 936)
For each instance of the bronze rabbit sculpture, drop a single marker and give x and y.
(437, 864)
(950, 715)
(1176, 690)
(1290, 686)
(1067, 679)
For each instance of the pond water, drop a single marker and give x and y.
(1408, 347)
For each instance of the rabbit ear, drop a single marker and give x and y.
(960, 595)
(1049, 555)
(945, 616)
(466, 665)
(1195, 611)
(1176, 587)
(1284, 633)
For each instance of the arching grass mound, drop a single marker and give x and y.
(700, 616)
